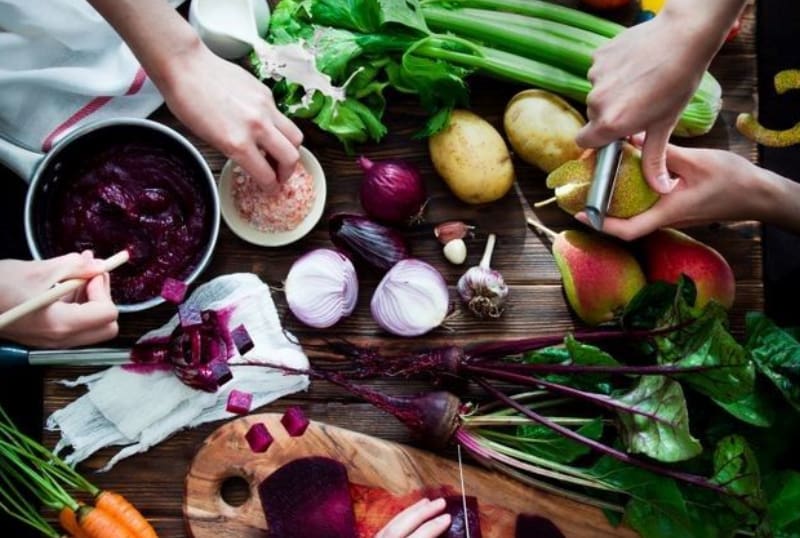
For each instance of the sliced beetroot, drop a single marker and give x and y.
(295, 421)
(308, 498)
(174, 290)
(241, 339)
(529, 525)
(258, 437)
(458, 526)
(239, 402)
(220, 373)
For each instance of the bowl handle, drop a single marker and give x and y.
(21, 161)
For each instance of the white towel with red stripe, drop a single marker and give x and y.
(61, 66)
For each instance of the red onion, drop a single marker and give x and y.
(372, 242)
(321, 288)
(412, 299)
(392, 191)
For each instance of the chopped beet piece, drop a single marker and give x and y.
(189, 316)
(308, 498)
(196, 345)
(258, 437)
(458, 527)
(241, 339)
(220, 373)
(529, 526)
(239, 402)
(295, 421)
(174, 290)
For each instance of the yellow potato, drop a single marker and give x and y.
(541, 127)
(472, 158)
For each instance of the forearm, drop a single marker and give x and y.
(706, 25)
(155, 32)
(776, 200)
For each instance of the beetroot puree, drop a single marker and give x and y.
(136, 196)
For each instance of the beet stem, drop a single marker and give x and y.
(654, 369)
(600, 447)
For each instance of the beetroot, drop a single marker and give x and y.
(459, 524)
(258, 437)
(295, 421)
(241, 339)
(189, 316)
(239, 402)
(529, 525)
(308, 498)
(174, 290)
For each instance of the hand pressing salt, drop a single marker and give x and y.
(140, 409)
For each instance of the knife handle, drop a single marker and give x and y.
(13, 356)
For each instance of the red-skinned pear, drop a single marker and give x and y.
(669, 253)
(600, 276)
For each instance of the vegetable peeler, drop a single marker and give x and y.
(18, 356)
(603, 180)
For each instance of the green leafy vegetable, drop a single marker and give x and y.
(777, 355)
(660, 428)
(736, 469)
(544, 442)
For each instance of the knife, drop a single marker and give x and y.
(463, 492)
(603, 180)
(19, 356)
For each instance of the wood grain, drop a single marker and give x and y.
(154, 480)
(398, 469)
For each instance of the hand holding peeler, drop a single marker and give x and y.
(603, 180)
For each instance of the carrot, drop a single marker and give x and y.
(96, 523)
(119, 507)
(69, 522)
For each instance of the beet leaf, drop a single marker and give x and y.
(776, 354)
(660, 427)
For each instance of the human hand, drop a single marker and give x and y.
(712, 185)
(415, 521)
(81, 318)
(233, 111)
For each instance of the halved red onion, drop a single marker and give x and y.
(412, 299)
(321, 288)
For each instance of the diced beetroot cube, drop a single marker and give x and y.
(241, 339)
(174, 290)
(220, 373)
(189, 316)
(258, 437)
(295, 421)
(239, 402)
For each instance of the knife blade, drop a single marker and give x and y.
(463, 491)
(603, 181)
(19, 356)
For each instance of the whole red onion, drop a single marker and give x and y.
(392, 191)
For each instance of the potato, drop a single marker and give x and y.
(541, 127)
(472, 158)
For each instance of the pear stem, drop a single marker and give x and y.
(546, 202)
(487, 252)
(551, 235)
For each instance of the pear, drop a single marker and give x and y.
(668, 253)
(600, 276)
(632, 195)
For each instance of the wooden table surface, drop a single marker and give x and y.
(154, 481)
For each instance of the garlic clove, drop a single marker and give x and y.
(455, 251)
(452, 229)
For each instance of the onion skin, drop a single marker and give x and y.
(392, 191)
(372, 242)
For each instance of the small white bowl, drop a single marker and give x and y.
(239, 226)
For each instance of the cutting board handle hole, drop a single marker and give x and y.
(235, 491)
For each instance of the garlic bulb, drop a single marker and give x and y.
(411, 299)
(321, 288)
(482, 288)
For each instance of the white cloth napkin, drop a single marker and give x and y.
(61, 66)
(139, 410)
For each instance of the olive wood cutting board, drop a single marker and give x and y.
(399, 470)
